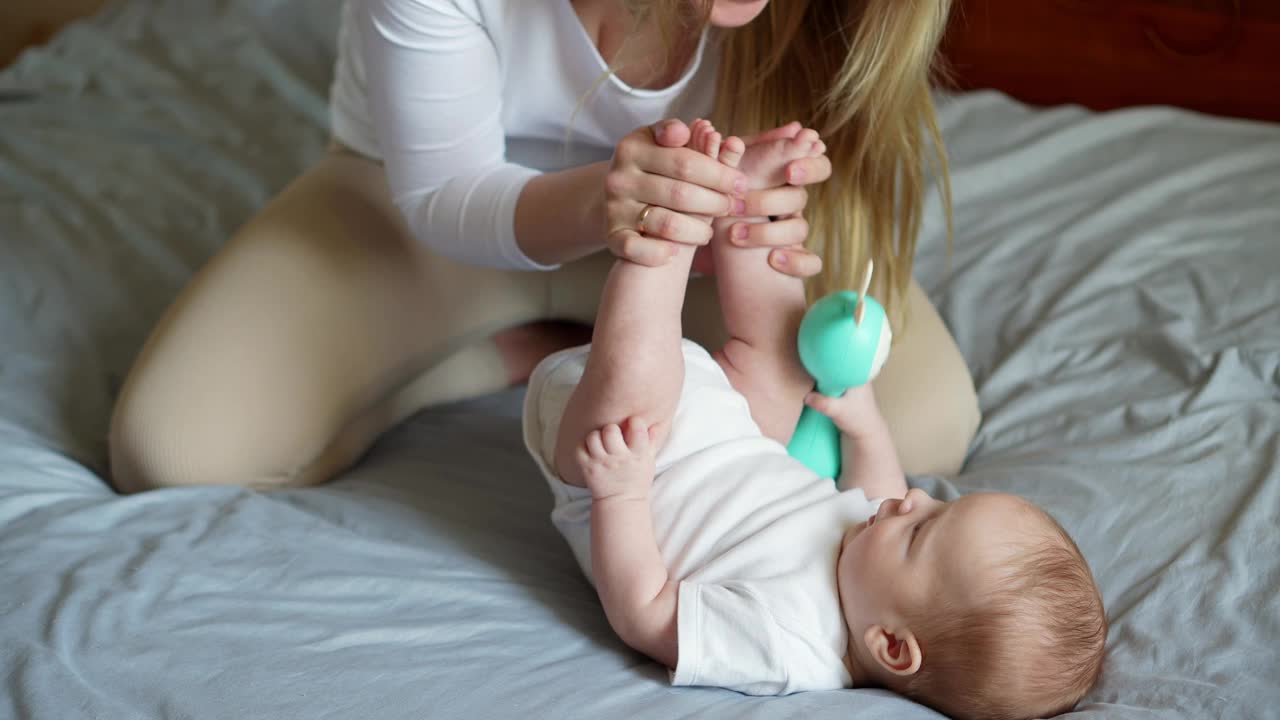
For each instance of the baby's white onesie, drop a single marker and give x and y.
(466, 100)
(751, 533)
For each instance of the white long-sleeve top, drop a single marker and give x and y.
(466, 100)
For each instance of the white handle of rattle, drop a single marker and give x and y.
(862, 294)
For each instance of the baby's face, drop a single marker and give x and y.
(918, 549)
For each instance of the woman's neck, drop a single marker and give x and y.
(646, 64)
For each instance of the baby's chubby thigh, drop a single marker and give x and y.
(709, 410)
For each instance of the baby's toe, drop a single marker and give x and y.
(713, 144)
(803, 145)
(731, 151)
(702, 138)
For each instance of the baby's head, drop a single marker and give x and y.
(980, 608)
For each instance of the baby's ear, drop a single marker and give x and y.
(898, 653)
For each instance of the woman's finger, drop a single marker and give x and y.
(694, 167)
(684, 197)
(671, 133)
(795, 261)
(779, 233)
(631, 245)
(660, 222)
(809, 170)
(775, 202)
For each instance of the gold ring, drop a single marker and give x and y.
(644, 214)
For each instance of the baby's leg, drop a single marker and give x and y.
(636, 366)
(762, 307)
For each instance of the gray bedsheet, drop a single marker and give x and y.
(1115, 286)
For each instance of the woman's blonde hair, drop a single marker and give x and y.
(858, 72)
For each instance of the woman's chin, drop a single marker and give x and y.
(735, 13)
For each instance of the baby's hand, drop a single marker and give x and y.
(618, 462)
(854, 413)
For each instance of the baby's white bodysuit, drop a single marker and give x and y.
(466, 100)
(751, 533)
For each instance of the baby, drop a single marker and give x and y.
(716, 553)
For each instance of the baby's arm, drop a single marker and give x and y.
(631, 578)
(874, 466)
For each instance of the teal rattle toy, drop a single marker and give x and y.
(844, 340)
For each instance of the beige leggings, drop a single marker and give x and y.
(322, 324)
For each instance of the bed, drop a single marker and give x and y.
(1114, 285)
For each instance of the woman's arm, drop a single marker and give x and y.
(434, 89)
(435, 92)
(560, 216)
(566, 215)
(651, 168)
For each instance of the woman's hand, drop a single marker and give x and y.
(654, 175)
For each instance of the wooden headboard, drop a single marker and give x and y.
(1214, 56)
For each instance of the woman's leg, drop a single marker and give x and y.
(307, 336)
(926, 393)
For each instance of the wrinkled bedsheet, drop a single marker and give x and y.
(1114, 284)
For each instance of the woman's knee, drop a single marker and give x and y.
(157, 445)
(926, 393)
(235, 386)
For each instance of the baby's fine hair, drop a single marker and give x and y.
(1031, 648)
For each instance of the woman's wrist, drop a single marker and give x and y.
(559, 216)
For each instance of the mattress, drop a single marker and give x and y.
(1114, 284)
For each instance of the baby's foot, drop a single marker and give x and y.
(705, 139)
(617, 462)
(765, 163)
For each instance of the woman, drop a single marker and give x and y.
(417, 261)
